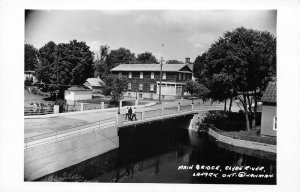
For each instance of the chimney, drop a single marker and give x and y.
(187, 60)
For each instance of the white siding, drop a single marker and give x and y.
(268, 114)
(82, 95)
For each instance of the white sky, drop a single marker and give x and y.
(184, 33)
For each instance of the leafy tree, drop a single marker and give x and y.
(100, 65)
(197, 90)
(173, 61)
(146, 57)
(199, 66)
(30, 59)
(64, 65)
(115, 86)
(241, 62)
(119, 56)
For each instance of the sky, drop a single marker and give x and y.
(183, 33)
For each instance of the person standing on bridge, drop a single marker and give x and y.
(130, 113)
(133, 114)
(127, 114)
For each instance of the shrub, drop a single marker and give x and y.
(227, 121)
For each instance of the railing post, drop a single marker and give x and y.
(81, 106)
(143, 115)
(56, 109)
(162, 112)
(117, 119)
(178, 110)
(192, 107)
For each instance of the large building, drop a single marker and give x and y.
(269, 111)
(144, 79)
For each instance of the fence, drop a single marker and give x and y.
(29, 112)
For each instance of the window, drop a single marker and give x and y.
(140, 95)
(164, 75)
(141, 87)
(130, 75)
(180, 76)
(120, 74)
(152, 75)
(275, 123)
(141, 75)
(129, 86)
(151, 87)
(184, 76)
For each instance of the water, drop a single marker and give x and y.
(152, 153)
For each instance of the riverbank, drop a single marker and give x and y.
(234, 138)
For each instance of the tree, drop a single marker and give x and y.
(199, 65)
(244, 60)
(146, 57)
(197, 90)
(30, 59)
(64, 65)
(119, 56)
(115, 86)
(173, 61)
(100, 65)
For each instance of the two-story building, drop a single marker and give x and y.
(144, 79)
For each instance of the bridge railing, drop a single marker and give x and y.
(113, 121)
(67, 133)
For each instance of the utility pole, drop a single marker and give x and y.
(161, 61)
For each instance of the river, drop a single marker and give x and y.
(158, 152)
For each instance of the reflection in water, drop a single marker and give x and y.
(153, 152)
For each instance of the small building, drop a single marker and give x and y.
(29, 76)
(76, 93)
(96, 84)
(144, 79)
(269, 111)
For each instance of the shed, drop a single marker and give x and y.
(76, 93)
(94, 83)
(269, 111)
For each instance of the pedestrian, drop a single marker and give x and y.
(130, 113)
(133, 114)
(127, 114)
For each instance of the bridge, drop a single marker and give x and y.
(52, 151)
(118, 121)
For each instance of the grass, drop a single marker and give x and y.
(252, 135)
(32, 98)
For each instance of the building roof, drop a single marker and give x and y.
(77, 88)
(269, 95)
(151, 67)
(94, 82)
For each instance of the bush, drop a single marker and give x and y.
(227, 121)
